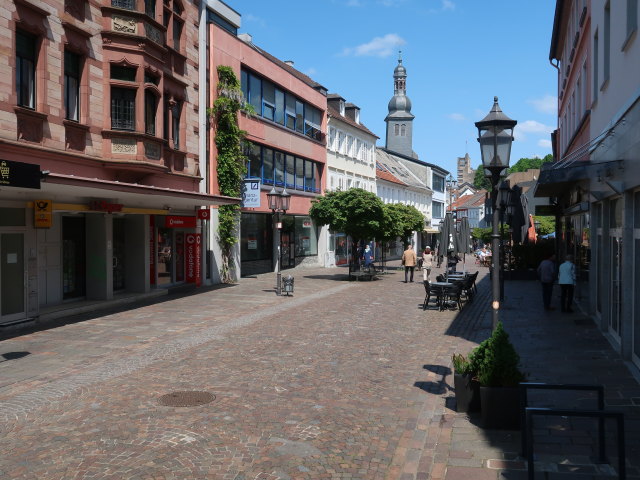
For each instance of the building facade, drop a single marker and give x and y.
(99, 110)
(596, 180)
(288, 148)
(350, 164)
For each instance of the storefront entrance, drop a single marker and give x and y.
(12, 281)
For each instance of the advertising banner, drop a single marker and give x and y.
(192, 257)
(176, 221)
(251, 193)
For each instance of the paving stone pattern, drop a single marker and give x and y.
(343, 380)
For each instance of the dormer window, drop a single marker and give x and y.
(342, 107)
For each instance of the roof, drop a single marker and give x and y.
(383, 174)
(415, 160)
(333, 113)
(391, 164)
(470, 201)
(554, 53)
(516, 178)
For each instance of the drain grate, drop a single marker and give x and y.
(186, 399)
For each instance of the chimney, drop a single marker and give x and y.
(289, 62)
(245, 37)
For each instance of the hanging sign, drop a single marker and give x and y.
(19, 174)
(203, 214)
(251, 193)
(192, 257)
(42, 217)
(176, 221)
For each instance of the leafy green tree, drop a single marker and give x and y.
(401, 220)
(356, 212)
(480, 181)
(525, 164)
(547, 224)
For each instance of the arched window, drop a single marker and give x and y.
(397, 129)
(403, 130)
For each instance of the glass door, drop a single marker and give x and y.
(118, 254)
(615, 313)
(73, 257)
(12, 277)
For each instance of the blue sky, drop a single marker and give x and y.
(458, 55)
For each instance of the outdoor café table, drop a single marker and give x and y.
(440, 288)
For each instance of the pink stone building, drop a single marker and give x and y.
(100, 168)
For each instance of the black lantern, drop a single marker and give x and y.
(495, 135)
(278, 202)
(273, 197)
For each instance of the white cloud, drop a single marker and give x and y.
(378, 47)
(531, 126)
(547, 104)
(448, 5)
(544, 143)
(458, 117)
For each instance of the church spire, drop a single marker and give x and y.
(400, 120)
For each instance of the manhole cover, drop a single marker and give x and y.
(186, 399)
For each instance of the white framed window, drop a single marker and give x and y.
(332, 138)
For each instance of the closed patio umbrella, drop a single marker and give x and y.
(447, 237)
(463, 240)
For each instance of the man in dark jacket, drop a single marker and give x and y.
(547, 275)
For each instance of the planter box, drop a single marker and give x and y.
(467, 393)
(500, 407)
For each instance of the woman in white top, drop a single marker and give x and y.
(427, 263)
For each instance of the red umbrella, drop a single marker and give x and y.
(531, 231)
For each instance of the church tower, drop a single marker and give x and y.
(400, 120)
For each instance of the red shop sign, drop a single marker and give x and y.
(175, 221)
(192, 257)
(203, 214)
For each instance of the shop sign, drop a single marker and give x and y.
(42, 213)
(252, 242)
(306, 223)
(192, 257)
(176, 221)
(103, 206)
(19, 174)
(203, 214)
(251, 193)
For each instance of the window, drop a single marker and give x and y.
(349, 146)
(396, 128)
(128, 4)
(150, 8)
(127, 74)
(26, 69)
(290, 111)
(150, 104)
(279, 115)
(165, 120)
(279, 168)
(255, 163)
(268, 100)
(177, 33)
(255, 93)
(341, 137)
(267, 166)
(607, 42)
(123, 107)
(153, 79)
(403, 130)
(300, 173)
(72, 86)
(438, 183)
(275, 167)
(299, 116)
(289, 171)
(332, 139)
(175, 131)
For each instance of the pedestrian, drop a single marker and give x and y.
(452, 262)
(427, 263)
(367, 256)
(409, 260)
(567, 282)
(547, 275)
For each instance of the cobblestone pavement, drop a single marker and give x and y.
(342, 380)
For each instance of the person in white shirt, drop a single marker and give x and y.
(567, 281)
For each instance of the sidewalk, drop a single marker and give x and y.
(341, 380)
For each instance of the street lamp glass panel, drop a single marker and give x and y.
(285, 200)
(495, 148)
(273, 198)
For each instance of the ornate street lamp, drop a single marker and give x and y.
(451, 185)
(278, 202)
(495, 134)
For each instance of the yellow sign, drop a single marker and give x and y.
(42, 213)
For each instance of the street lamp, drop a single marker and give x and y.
(495, 134)
(278, 202)
(504, 193)
(451, 185)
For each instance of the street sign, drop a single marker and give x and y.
(251, 193)
(19, 174)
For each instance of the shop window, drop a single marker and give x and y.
(72, 86)
(26, 45)
(256, 237)
(12, 217)
(306, 239)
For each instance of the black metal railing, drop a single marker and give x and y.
(601, 415)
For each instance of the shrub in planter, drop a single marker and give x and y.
(496, 366)
(466, 387)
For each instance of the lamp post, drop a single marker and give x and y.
(504, 194)
(495, 134)
(278, 202)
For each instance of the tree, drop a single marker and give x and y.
(547, 224)
(480, 181)
(525, 164)
(401, 220)
(356, 212)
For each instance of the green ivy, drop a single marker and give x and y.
(231, 145)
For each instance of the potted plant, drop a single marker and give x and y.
(466, 386)
(496, 366)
